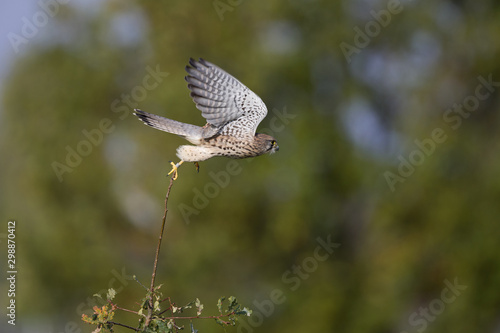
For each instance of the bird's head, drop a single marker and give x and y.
(267, 143)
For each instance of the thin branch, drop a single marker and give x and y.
(170, 307)
(123, 325)
(153, 276)
(203, 317)
(123, 309)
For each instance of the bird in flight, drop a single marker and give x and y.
(232, 112)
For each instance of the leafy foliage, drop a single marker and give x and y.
(102, 318)
(164, 320)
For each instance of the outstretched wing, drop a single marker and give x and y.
(221, 98)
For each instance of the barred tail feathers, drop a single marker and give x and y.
(190, 132)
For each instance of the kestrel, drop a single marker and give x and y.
(232, 112)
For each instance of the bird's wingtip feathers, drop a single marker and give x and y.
(192, 62)
(196, 63)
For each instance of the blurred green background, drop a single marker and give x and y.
(387, 117)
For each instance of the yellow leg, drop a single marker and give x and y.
(197, 166)
(174, 169)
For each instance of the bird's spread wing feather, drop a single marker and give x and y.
(222, 99)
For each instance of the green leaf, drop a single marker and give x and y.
(188, 306)
(246, 311)
(157, 306)
(111, 294)
(233, 304)
(160, 326)
(199, 306)
(219, 304)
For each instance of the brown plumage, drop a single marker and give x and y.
(232, 112)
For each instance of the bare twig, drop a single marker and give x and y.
(123, 325)
(123, 309)
(203, 317)
(153, 276)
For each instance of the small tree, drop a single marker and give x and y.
(158, 314)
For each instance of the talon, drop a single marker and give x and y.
(174, 169)
(197, 166)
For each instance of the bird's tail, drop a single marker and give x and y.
(188, 131)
